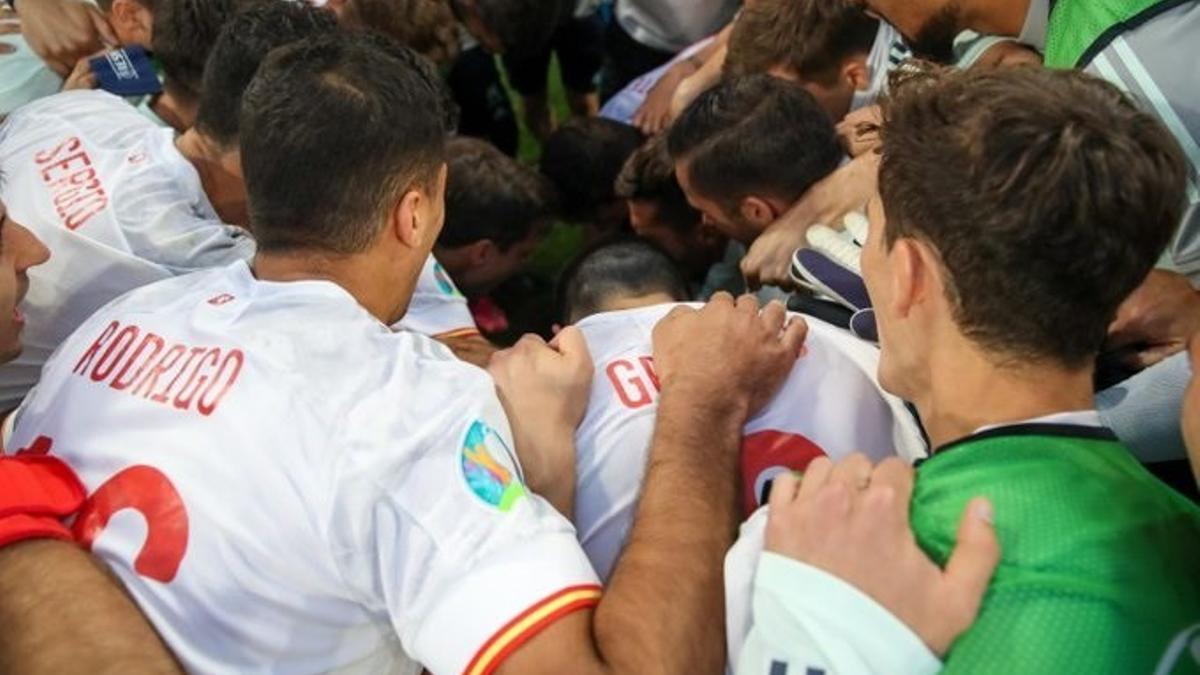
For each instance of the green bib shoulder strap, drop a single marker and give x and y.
(1080, 29)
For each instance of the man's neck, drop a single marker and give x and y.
(359, 274)
(996, 17)
(222, 184)
(174, 111)
(969, 390)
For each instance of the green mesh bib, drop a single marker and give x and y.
(1100, 567)
(1079, 29)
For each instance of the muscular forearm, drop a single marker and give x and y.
(664, 609)
(61, 612)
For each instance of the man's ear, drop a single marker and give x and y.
(856, 73)
(916, 276)
(133, 23)
(481, 252)
(756, 211)
(406, 225)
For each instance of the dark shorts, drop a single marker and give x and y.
(579, 44)
(484, 109)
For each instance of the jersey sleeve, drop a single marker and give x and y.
(437, 308)
(806, 620)
(434, 528)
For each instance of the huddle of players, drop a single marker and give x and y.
(365, 528)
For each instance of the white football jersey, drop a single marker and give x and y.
(830, 405)
(117, 205)
(437, 308)
(625, 103)
(284, 484)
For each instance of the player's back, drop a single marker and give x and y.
(829, 405)
(259, 429)
(114, 201)
(1100, 567)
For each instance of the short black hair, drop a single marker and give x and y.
(754, 134)
(336, 129)
(490, 195)
(184, 34)
(624, 266)
(649, 175)
(583, 158)
(243, 44)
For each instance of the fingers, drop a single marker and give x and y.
(784, 489)
(816, 475)
(973, 560)
(895, 473)
(774, 316)
(853, 471)
(104, 30)
(795, 334)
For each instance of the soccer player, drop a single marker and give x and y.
(837, 52)
(583, 158)
(830, 405)
(998, 360)
(748, 148)
(497, 211)
(121, 202)
(319, 492)
(58, 606)
(659, 212)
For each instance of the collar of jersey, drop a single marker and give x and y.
(1081, 431)
(307, 288)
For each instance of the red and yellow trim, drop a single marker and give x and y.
(458, 333)
(528, 624)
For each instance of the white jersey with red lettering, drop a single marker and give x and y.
(830, 405)
(437, 308)
(285, 484)
(117, 205)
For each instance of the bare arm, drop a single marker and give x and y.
(64, 31)
(474, 349)
(663, 611)
(60, 609)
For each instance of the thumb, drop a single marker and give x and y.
(104, 30)
(571, 344)
(973, 560)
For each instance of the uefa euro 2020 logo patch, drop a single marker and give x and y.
(483, 452)
(444, 283)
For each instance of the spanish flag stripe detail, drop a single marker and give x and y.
(461, 332)
(528, 624)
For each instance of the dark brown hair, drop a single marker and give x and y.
(1048, 196)
(428, 27)
(649, 175)
(810, 37)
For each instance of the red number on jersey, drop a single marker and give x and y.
(149, 492)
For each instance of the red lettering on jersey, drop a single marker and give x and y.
(207, 404)
(221, 299)
(149, 492)
(636, 387)
(69, 145)
(183, 399)
(86, 359)
(125, 338)
(767, 453)
(164, 364)
(75, 191)
(206, 375)
(150, 340)
(165, 394)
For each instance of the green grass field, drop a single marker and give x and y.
(529, 299)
